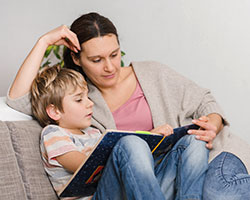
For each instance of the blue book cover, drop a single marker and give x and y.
(84, 181)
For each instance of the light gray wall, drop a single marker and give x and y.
(205, 40)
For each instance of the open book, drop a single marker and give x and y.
(84, 180)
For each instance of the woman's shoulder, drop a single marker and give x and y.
(152, 66)
(154, 70)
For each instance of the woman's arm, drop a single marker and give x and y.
(28, 70)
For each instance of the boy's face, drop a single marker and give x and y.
(77, 110)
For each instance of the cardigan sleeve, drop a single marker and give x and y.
(21, 104)
(198, 101)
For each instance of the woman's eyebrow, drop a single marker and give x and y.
(96, 56)
(115, 50)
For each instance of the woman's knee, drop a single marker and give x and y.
(226, 178)
(228, 164)
(193, 146)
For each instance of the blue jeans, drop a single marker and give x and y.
(133, 173)
(227, 179)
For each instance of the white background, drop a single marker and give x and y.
(208, 41)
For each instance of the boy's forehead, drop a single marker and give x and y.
(75, 90)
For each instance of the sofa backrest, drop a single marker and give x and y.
(22, 175)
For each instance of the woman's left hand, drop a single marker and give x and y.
(209, 127)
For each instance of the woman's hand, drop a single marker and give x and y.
(210, 126)
(62, 35)
(163, 130)
(31, 65)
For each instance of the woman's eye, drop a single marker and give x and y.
(78, 100)
(114, 55)
(96, 61)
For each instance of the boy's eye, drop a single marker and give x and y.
(78, 100)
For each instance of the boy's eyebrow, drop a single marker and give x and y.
(80, 93)
(99, 56)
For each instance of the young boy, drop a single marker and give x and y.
(61, 105)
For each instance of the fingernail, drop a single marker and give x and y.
(189, 131)
(197, 137)
(194, 121)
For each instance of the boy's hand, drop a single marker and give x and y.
(163, 130)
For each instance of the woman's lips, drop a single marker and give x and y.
(109, 76)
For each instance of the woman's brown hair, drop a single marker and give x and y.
(86, 27)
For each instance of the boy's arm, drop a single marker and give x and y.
(73, 159)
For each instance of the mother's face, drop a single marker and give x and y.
(100, 60)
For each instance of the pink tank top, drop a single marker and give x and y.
(135, 114)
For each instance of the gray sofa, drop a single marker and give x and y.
(22, 175)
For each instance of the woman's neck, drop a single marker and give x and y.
(118, 94)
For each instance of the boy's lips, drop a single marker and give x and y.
(89, 115)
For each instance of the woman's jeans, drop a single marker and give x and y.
(133, 173)
(227, 179)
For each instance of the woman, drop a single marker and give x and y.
(142, 96)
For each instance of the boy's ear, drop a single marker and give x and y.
(75, 59)
(53, 112)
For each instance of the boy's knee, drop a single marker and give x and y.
(132, 145)
(131, 141)
(134, 151)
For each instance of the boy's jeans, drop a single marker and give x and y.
(132, 173)
(227, 179)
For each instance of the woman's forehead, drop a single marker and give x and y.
(100, 45)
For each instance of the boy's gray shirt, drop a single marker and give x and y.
(172, 98)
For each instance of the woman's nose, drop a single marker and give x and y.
(108, 65)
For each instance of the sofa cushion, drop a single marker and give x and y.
(25, 137)
(11, 185)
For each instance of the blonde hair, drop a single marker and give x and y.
(49, 87)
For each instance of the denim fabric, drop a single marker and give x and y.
(133, 173)
(227, 179)
(182, 171)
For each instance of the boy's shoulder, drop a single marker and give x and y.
(52, 129)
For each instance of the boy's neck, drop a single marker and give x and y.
(74, 131)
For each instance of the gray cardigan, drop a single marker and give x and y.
(172, 99)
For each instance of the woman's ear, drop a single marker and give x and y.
(53, 112)
(75, 59)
